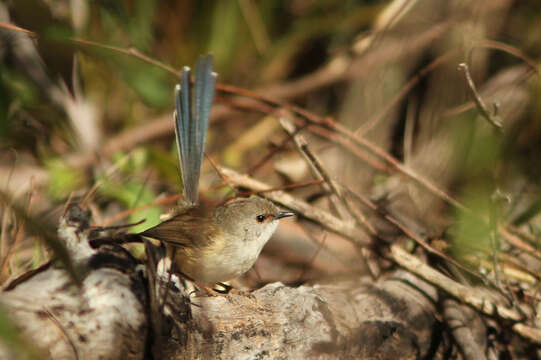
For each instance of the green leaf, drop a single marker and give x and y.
(62, 178)
(133, 194)
(471, 234)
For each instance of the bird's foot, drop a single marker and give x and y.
(221, 289)
(228, 289)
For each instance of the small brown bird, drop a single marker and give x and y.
(209, 245)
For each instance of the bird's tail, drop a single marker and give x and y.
(192, 120)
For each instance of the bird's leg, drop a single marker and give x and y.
(212, 291)
(209, 290)
(228, 289)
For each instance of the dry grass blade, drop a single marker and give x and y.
(517, 242)
(37, 228)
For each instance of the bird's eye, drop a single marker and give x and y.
(260, 218)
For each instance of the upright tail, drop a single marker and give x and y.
(192, 121)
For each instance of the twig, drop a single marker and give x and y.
(528, 332)
(337, 198)
(224, 178)
(493, 120)
(28, 211)
(372, 264)
(67, 203)
(124, 214)
(285, 187)
(457, 290)
(64, 331)
(36, 227)
(492, 44)
(116, 227)
(128, 51)
(4, 232)
(409, 131)
(511, 267)
(18, 238)
(17, 28)
(516, 241)
(316, 166)
(348, 145)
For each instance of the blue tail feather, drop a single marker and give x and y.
(191, 122)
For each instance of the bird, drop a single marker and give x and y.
(209, 244)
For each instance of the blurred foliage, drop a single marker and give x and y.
(62, 178)
(132, 192)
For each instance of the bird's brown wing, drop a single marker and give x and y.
(191, 228)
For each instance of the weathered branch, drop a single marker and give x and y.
(103, 318)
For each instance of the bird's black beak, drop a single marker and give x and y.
(283, 215)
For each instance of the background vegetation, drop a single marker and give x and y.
(86, 101)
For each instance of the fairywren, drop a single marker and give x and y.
(209, 245)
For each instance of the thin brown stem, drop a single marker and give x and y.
(285, 187)
(497, 45)
(493, 120)
(221, 174)
(337, 198)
